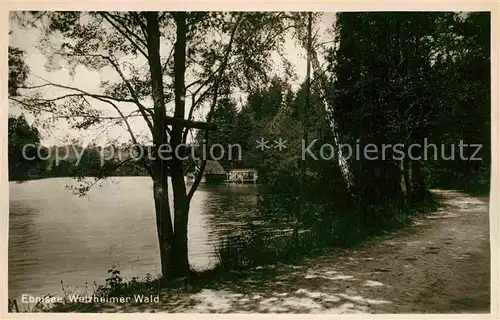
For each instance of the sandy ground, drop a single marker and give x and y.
(441, 264)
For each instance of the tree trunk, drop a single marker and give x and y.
(418, 187)
(181, 213)
(160, 166)
(181, 202)
(164, 228)
(418, 184)
(405, 177)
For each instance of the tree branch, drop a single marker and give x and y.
(131, 132)
(141, 23)
(82, 92)
(142, 108)
(105, 16)
(220, 70)
(214, 102)
(168, 59)
(131, 90)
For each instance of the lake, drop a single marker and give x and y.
(55, 235)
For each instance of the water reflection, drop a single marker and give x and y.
(228, 211)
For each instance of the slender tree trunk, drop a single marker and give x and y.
(421, 58)
(417, 177)
(418, 184)
(181, 202)
(305, 123)
(163, 227)
(160, 166)
(406, 175)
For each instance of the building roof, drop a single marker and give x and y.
(214, 167)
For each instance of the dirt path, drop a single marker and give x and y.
(441, 264)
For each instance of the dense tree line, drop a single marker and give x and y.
(395, 78)
(28, 165)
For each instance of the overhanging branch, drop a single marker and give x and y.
(108, 18)
(214, 102)
(220, 71)
(131, 132)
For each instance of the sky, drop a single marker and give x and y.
(60, 132)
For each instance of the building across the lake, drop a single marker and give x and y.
(242, 176)
(213, 173)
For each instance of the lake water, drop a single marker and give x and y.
(55, 235)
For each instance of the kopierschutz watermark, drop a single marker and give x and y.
(397, 151)
(309, 151)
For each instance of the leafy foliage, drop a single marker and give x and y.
(23, 143)
(18, 70)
